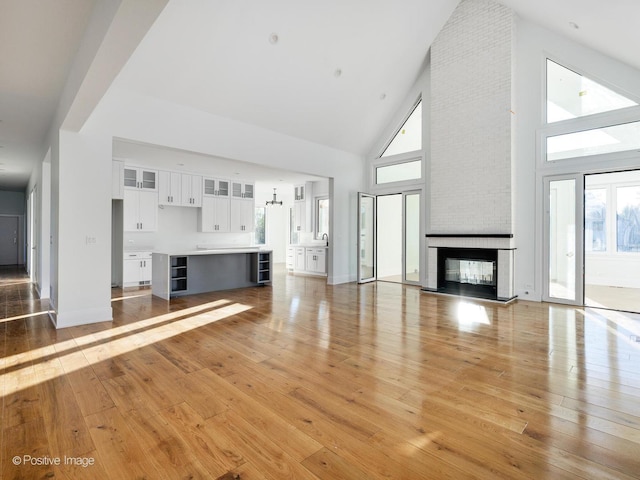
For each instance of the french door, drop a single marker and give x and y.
(398, 245)
(367, 270)
(563, 268)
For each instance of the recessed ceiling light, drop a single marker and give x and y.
(574, 25)
(337, 73)
(273, 38)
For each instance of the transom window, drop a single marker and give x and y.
(571, 95)
(409, 137)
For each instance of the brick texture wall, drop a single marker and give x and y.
(471, 120)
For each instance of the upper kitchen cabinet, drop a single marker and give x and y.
(169, 188)
(117, 179)
(242, 190)
(191, 190)
(303, 208)
(138, 178)
(214, 187)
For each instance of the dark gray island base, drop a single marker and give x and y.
(200, 271)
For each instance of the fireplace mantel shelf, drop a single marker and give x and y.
(469, 235)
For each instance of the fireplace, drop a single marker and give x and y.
(473, 265)
(468, 271)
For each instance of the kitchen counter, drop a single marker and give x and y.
(199, 271)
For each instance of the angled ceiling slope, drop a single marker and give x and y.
(330, 72)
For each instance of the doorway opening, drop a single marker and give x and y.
(612, 240)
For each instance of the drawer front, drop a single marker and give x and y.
(137, 255)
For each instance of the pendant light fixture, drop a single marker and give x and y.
(275, 200)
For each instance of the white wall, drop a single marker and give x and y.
(81, 210)
(130, 116)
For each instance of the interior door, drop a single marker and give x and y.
(563, 253)
(8, 240)
(366, 238)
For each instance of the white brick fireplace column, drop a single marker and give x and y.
(472, 129)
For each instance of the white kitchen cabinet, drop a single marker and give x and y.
(290, 262)
(242, 213)
(138, 178)
(303, 208)
(169, 188)
(214, 187)
(299, 260)
(117, 179)
(307, 260)
(299, 216)
(140, 211)
(214, 214)
(316, 260)
(242, 190)
(136, 269)
(191, 190)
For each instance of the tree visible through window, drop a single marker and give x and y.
(628, 219)
(260, 232)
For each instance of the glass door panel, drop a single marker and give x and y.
(563, 252)
(412, 237)
(366, 237)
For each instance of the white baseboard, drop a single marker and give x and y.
(80, 317)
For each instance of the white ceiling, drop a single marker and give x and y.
(38, 41)
(215, 55)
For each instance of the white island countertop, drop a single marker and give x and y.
(215, 251)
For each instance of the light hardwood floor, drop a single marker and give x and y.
(302, 381)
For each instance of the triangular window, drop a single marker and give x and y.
(409, 137)
(571, 95)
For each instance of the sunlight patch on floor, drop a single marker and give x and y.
(101, 346)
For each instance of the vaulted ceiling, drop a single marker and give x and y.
(336, 73)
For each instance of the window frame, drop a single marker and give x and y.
(255, 231)
(316, 209)
(583, 124)
(393, 136)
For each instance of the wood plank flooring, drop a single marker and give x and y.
(302, 380)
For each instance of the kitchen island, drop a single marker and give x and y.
(199, 271)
